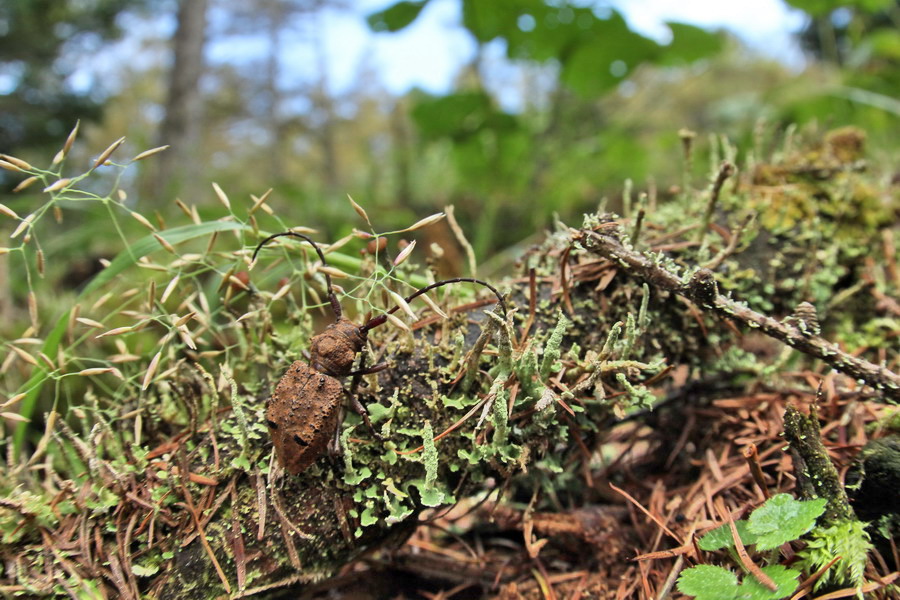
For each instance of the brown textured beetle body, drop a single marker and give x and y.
(333, 350)
(303, 413)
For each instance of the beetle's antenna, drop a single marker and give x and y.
(380, 319)
(335, 305)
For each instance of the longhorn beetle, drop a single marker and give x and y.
(304, 410)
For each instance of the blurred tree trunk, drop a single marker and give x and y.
(181, 125)
(402, 152)
(276, 14)
(326, 125)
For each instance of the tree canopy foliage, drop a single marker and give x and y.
(42, 44)
(559, 103)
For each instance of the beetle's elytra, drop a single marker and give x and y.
(303, 412)
(302, 415)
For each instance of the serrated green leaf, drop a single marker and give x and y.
(708, 582)
(721, 537)
(784, 578)
(782, 519)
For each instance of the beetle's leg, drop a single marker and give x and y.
(361, 411)
(369, 370)
(334, 447)
(354, 385)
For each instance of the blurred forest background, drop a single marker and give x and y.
(560, 103)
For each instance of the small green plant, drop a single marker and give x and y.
(847, 539)
(708, 582)
(780, 520)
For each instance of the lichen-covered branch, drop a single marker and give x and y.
(815, 472)
(701, 289)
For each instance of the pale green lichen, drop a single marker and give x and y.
(429, 454)
(551, 348)
(638, 396)
(526, 369)
(352, 475)
(612, 339)
(500, 417)
(631, 335)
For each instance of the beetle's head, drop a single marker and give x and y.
(332, 351)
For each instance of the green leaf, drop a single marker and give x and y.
(557, 30)
(608, 54)
(873, 6)
(145, 570)
(721, 537)
(821, 8)
(865, 97)
(816, 8)
(782, 519)
(460, 403)
(690, 43)
(784, 578)
(396, 17)
(707, 582)
(242, 463)
(457, 116)
(885, 43)
(847, 539)
(497, 18)
(125, 259)
(432, 496)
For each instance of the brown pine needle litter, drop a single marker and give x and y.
(587, 552)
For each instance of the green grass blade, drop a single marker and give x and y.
(127, 258)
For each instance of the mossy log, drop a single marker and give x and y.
(269, 528)
(470, 403)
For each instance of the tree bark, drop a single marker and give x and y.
(182, 127)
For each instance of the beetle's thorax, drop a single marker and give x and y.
(332, 351)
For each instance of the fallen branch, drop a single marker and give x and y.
(702, 289)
